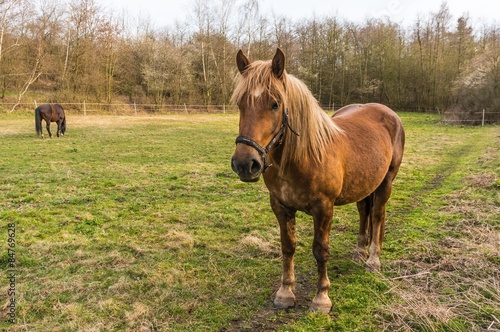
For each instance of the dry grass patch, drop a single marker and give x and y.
(484, 181)
(260, 244)
(454, 282)
(138, 312)
(473, 209)
(178, 240)
(461, 292)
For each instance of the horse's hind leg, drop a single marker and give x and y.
(377, 220)
(364, 207)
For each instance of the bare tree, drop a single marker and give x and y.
(37, 42)
(250, 14)
(10, 21)
(204, 30)
(8, 12)
(462, 40)
(477, 87)
(220, 48)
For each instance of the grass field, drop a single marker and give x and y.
(139, 224)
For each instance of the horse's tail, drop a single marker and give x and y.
(38, 121)
(63, 125)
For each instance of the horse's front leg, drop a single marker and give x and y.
(286, 218)
(322, 215)
(58, 128)
(48, 129)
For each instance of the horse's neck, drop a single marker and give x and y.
(276, 152)
(317, 132)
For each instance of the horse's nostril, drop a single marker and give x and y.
(234, 165)
(255, 166)
(248, 170)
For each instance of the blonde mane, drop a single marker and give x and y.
(316, 128)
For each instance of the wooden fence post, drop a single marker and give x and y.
(482, 122)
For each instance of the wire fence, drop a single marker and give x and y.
(85, 108)
(482, 118)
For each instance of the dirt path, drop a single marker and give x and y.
(269, 319)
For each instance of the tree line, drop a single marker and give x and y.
(76, 49)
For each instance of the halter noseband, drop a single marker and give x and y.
(264, 151)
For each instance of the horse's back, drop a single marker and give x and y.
(42, 108)
(370, 119)
(59, 109)
(373, 111)
(53, 112)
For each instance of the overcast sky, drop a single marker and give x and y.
(165, 12)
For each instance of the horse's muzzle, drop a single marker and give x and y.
(248, 168)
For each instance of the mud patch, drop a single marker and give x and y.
(271, 319)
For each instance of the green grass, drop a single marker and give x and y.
(139, 224)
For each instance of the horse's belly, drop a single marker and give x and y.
(362, 183)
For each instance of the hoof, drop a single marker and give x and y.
(284, 303)
(321, 303)
(373, 264)
(284, 299)
(360, 255)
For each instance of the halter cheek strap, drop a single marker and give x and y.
(264, 151)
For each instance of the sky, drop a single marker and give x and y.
(166, 12)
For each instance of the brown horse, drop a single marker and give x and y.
(311, 162)
(50, 113)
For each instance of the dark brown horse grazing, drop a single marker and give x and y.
(311, 162)
(50, 113)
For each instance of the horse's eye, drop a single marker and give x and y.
(276, 106)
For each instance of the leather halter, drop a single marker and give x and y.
(264, 151)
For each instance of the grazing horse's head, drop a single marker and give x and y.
(259, 94)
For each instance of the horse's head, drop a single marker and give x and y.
(260, 96)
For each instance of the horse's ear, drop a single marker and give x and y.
(242, 61)
(278, 63)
